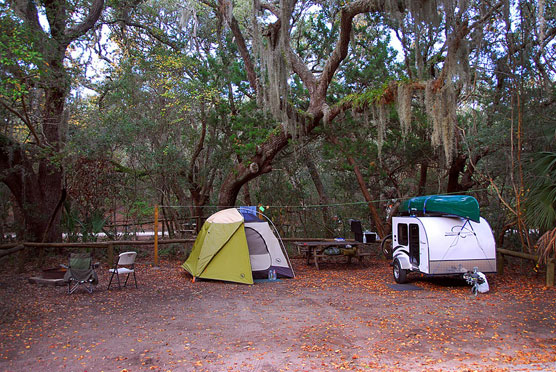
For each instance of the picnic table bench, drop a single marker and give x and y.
(315, 250)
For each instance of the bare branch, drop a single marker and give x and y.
(159, 36)
(23, 118)
(242, 46)
(88, 23)
(340, 51)
(299, 67)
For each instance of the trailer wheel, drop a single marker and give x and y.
(400, 275)
(386, 247)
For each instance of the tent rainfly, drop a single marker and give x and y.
(237, 247)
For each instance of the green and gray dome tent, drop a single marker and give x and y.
(237, 247)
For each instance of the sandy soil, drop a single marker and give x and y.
(340, 317)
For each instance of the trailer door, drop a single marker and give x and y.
(414, 251)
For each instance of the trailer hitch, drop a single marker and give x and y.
(475, 279)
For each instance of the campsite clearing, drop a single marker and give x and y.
(340, 317)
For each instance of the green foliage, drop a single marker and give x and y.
(172, 250)
(251, 127)
(371, 64)
(174, 111)
(141, 210)
(316, 34)
(541, 200)
(17, 44)
(21, 62)
(82, 228)
(368, 97)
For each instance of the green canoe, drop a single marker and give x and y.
(451, 205)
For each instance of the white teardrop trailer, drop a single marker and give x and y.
(441, 235)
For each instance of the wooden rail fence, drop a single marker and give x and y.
(6, 249)
(550, 265)
(109, 245)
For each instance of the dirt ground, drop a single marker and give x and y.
(344, 316)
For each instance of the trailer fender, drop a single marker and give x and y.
(402, 256)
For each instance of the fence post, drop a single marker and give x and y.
(550, 273)
(499, 263)
(110, 254)
(156, 235)
(21, 259)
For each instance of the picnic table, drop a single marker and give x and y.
(314, 250)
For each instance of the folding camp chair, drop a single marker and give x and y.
(360, 235)
(80, 272)
(356, 229)
(125, 265)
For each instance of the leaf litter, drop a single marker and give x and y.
(342, 317)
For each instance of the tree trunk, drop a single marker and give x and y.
(199, 217)
(465, 167)
(457, 166)
(366, 194)
(30, 170)
(36, 185)
(43, 222)
(232, 184)
(423, 177)
(242, 173)
(32, 175)
(323, 198)
(247, 194)
(363, 186)
(199, 199)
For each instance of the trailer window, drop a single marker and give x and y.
(402, 234)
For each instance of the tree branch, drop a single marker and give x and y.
(28, 12)
(24, 119)
(161, 37)
(452, 44)
(88, 23)
(340, 51)
(271, 8)
(57, 18)
(198, 148)
(299, 67)
(241, 44)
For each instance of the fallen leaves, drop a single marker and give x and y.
(342, 317)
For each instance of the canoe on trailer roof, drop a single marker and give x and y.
(446, 205)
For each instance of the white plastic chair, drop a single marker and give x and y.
(125, 265)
